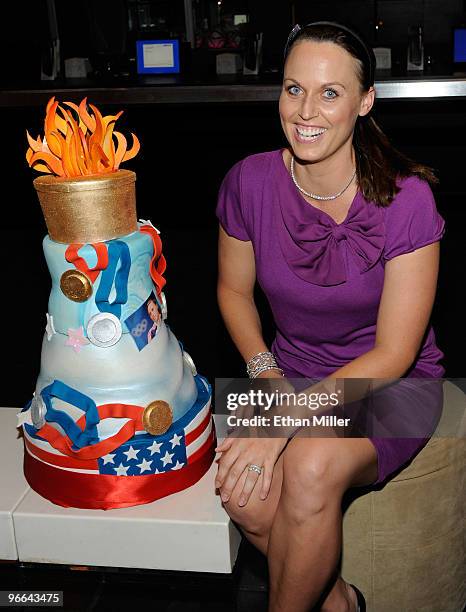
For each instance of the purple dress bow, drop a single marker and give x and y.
(313, 244)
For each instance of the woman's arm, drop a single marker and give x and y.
(235, 293)
(408, 295)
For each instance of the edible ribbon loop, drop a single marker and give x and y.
(158, 263)
(118, 251)
(72, 256)
(78, 436)
(81, 439)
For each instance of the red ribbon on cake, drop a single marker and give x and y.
(158, 264)
(62, 443)
(71, 256)
(102, 491)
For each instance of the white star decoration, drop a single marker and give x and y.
(175, 441)
(131, 453)
(167, 458)
(145, 465)
(120, 462)
(49, 328)
(24, 417)
(155, 447)
(108, 459)
(121, 470)
(148, 222)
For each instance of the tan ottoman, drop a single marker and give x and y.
(404, 544)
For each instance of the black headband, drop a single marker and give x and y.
(369, 53)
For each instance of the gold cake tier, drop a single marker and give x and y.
(88, 208)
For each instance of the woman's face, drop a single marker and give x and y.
(153, 311)
(321, 99)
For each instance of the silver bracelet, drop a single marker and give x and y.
(262, 362)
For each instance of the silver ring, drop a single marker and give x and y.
(254, 468)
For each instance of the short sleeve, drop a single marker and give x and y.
(412, 220)
(230, 204)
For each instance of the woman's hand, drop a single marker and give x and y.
(239, 452)
(237, 455)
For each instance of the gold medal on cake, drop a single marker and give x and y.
(76, 285)
(157, 417)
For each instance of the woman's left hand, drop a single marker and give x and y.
(237, 455)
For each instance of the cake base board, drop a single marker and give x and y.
(13, 485)
(186, 531)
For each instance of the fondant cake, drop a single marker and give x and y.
(119, 416)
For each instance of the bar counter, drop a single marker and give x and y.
(225, 89)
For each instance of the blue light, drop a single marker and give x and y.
(459, 47)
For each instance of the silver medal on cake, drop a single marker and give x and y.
(164, 306)
(104, 329)
(38, 410)
(189, 362)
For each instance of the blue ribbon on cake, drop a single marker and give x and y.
(62, 391)
(118, 251)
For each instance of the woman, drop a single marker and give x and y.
(342, 233)
(154, 314)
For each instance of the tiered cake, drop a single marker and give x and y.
(119, 416)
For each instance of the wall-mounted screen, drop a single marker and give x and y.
(158, 56)
(459, 45)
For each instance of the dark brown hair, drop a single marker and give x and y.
(378, 163)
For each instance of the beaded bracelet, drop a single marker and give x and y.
(262, 362)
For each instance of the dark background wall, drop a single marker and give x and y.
(186, 151)
(102, 29)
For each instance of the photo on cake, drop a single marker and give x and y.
(144, 322)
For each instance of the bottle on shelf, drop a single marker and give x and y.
(415, 49)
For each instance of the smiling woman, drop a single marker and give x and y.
(326, 98)
(319, 105)
(342, 233)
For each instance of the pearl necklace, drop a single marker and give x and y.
(313, 195)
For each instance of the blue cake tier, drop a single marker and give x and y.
(144, 362)
(69, 314)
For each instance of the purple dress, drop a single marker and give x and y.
(324, 280)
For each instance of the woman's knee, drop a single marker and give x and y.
(257, 515)
(246, 517)
(310, 476)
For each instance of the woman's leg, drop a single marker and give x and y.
(255, 520)
(305, 538)
(256, 517)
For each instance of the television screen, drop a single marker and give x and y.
(459, 45)
(158, 56)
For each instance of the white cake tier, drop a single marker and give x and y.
(121, 373)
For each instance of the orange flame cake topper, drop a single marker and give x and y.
(78, 142)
